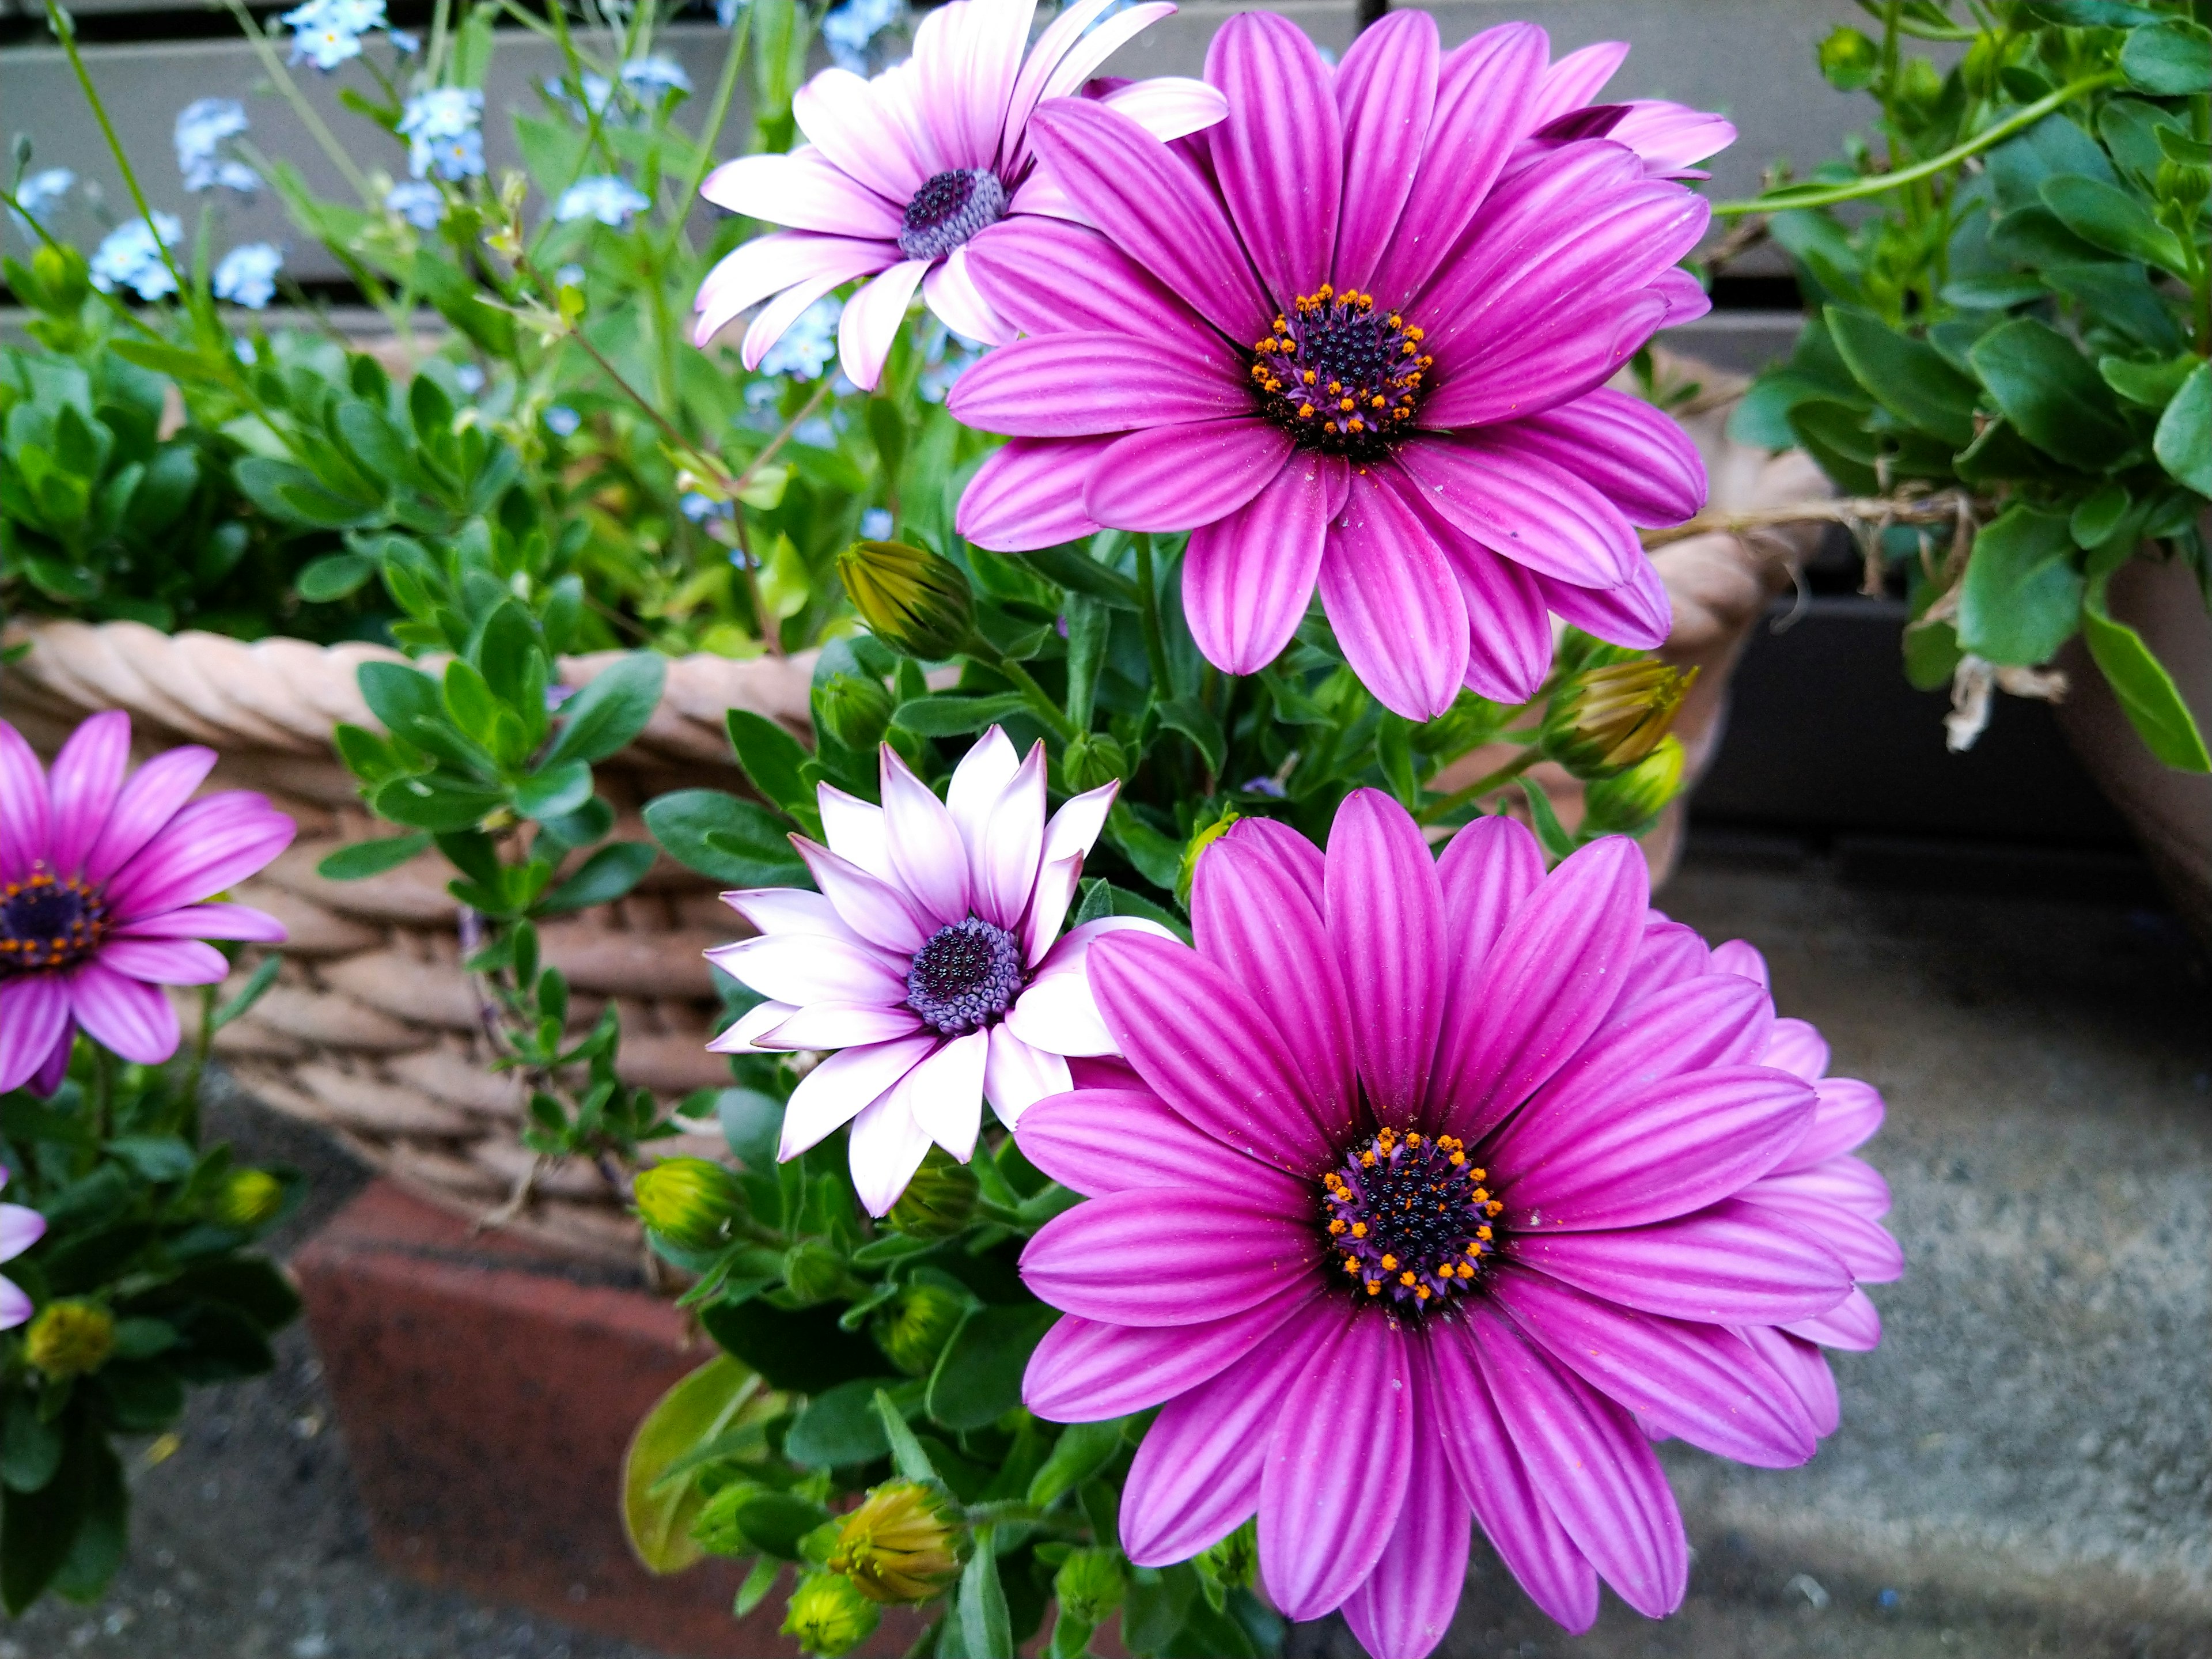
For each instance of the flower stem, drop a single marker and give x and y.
(1481, 786)
(1148, 611)
(1047, 710)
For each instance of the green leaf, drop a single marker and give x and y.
(37, 1530)
(604, 877)
(1835, 435)
(1907, 377)
(144, 1397)
(292, 495)
(2099, 513)
(720, 1396)
(1196, 721)
(175, 361)
(985, 1626)
(978, 1377)
(2172, 59)
(2052, 394)
(155, 1158)
(1074, 569)
(907, 1456)
(248, 993)
(839, 1428)
(2146, 691)
(1082, 1450)
(555, 790)
(2184, 443)
(333, 576)
(775, 1522)
(1102, 898)
(801, 1350)
(2115, 221)
(773, 759)
(97, 1550)
(358, 860)
(734, 840)
(1550, 835)
(606, 714)
(457, 300)
(2023, 593)
(1159, 857)
(439, 802)
(30, 1447)
(2152, 386)
(953, 717)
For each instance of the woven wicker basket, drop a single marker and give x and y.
(371, 1029)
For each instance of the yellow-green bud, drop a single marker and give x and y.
(1196, 849)
(854, 709)
(1630, 801)
(71, 1339)
(938, 1201)
(903, 1544)
(914, 1328)
(815, 1273)
(1093, 761)
(1234, 1562)
(689, 1201)
(829, 1616)
(246, 1197)
(1612, 716)
(911, 599)
(1089, 1585)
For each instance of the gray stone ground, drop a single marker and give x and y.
(2025, 1467)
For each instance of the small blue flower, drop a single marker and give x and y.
(1265, 785)
(608, 200)
(656, 73)
(599, 96)
(325, 33)
(442, 127)
(848, 29)
(247, 275)
(36, 195)
(569, 276)
(808, 344)
(469, 378)
(816, 433)
(699, 507)
(563, 421)
(405, 43)
(130, 257)
(876, 524)
(202, 126)
(420, 203)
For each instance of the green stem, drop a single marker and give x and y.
(1797, 197)
(1481, 786)
(64, 28)
(1047, 710)
(718, 113)
(195, 1068)
(103, 1089)
(340, 158)
(1148, 611)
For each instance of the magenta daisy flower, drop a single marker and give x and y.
(104, 884)
(930, 960)
(1355, 336)
(902, 172)
(20, 1228)
(1495, 1165)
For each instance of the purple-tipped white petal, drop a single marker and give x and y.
(871, 318)
(927, 854)
(1016, 1075)
(945, 1092)
(833, 1093)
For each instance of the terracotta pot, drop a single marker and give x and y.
(2170, 811)
(372, 1029)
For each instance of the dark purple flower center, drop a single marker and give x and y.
(965, 976)
(951, 209)
(46, 923)
(1409, 1219)
(1341, 376)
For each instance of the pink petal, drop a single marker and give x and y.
(127, 1015)
(927, 851)
(1253, 918)
(1053, 45)
(1095, 1141)
(1385, 95)
(1075, 385)
(854, 829)
(1203, 1043)
(1048, 277)
(1073, 830)
(167, 961)
(1326, 1506)
(1849, 1113)
(1029, 494)
(149, 800)
(21, 1227)
(1638, 614)
(1197, 1476)
(1154, 207)
(1017, 1076)
(977, 782)
(1248, 575)
(774, 320)
(1487, 870)
(1386, 919)
(24, 835)
(1508, 634)
(1672, 955)
(1662, 1151)
(1549, 981)
(1178, 477)
(775, 910)
(879, 912)
(843, 114)
(1853, 1324)
(872, 319)
(1169, 106)
(1527, 509)
(86, 778)
(767, 265)
(1497, 1483)
(1672, 138)
(1127, 1258)
(1574, 81)
(805, 190)
(1297, 856)
(212, 844)
(15, 1307)
(1805, 1369)
(1741, 956)
(35, 1012)
(1095, 48)
(55, 1068)
(1864, 1244)
(834, 1092)
(1060, 1013)
(1395, 604)
(1278, 156)
(1407, 1603)
(1597, 1474)
(1003, 860)
(1849, 1183)
(1732, 1264)
(1701, 1383)
(1628, 449)
(1086, 1372)
(746, 1034)
(804, 967)
(1523, 371)
(238, 922)
(1798, 1048)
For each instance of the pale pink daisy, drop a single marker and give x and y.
(20, 1229)
(902, 172)
(930, 960)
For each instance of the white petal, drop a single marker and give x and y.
(834, 1092)
(949, 290)
(1059, 37)
(21, 1227)
(1003, 863)
(790, 910)
(1019, 1076)
(887, 1147)
(1055, 892)
(927, 851)
(805, 967)
(774, 318)
(745, 1037)
(1169, 106)
(871, 318)
(849, 123)
(876, 910)
(1074, 829)
(946, 1093)
(854, 830)
(842, 1025)
(1070, 952)
(14, 1306)
(1058, 1014)
(977, 782)
(1083, 59)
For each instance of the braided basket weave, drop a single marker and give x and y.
(372, 1029)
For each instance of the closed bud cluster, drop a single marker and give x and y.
(247, 1198)
(854, 709)
(1234, 1562)
(1093, 761)
(828, 1615)
(689, 1201)
(914, 1328)
(1612, 716)
(1629, 801)
(903, 1544)
(938, 1201)
(1090, 1585)
(911, 599)
(71, 1339)
(814, 1272)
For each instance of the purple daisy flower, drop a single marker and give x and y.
(1354, 336)
(1496, 1165)
(930, 960)
(103, 888)
(902, 170)
(20, 1228)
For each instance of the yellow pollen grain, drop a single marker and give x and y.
(1374, 1287)
(1389, 1264)
(1359, 1230)
(1309, 377)
(1406, 1277)
(1482, 1232)
(1356, 424)
(1423, 1293)
(1337, 1225)
(1306, 411)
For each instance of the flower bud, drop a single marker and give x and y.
(1234, 1562)
(913, 1330)
(1089, 1585)
(829, 1616)
(911, 599)
(1196, 849)
(689, 1201)
(1093, 761)
(1612, 716)
(247, 1198)
(1630, 801)
(854, 709)
(903, 1544)
(938, 1201)
(814, 1272)
(71, 1339)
